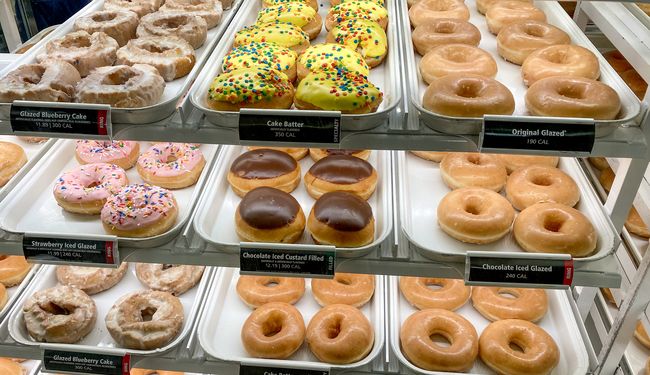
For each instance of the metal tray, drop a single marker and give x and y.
(34, 152)
(510, 75)
(215, 217)
(385, 76)
(31, 207)
(14, 293)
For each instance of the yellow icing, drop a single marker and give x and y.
(270, 3)
(248, 85)
(297, 14)
(364, 36)
(258, 54)
(283, 34)
(337, 90)
(332, 56)
(358, 9)
(378, 2)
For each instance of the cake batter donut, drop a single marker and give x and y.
(341, 173)
(460, 59)
(518, 40)
(192, 28)
(566, 60)
(172, 56)
(232, 91)
(536, 183)
(483, 5)
(9, 367)
(263, 167)
(91, 280)
(433, 156)
(514, 162)
(337, 90)
(12, 158)
(451, 295)
(282, 34)
(295, 13)
(345, 288)
(341, 219)
(262, 55)
(616, 59)
(442, 31)
(425, 11)
(171, 165)
(635, 225)
(124, 154)
(119, 24)
(84, 51)
(52, 81)
(641, 334)
(275, 330)
(296, 153)
(366, 37)
(139, 7)
(171, 278)
(319, 153)
(13, 269)
(497, 303)
(356, 9)
(503, 13)
(468, 169)
(256, 291)
(209, 10)
(330, 56)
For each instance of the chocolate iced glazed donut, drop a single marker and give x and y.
(263, 167)
(341, 173)
(319, 153)
(341, 219)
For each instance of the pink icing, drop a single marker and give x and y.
(137, 205)
(170, 159)
(90, 182)
(103, 151)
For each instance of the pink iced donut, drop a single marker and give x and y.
(171, 165)
(120, 153)
(84, 190)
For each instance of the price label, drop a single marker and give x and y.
(289, 126)
(86, 363)
(67, 250)
(486, 270)
(289, 262)
(88, 119)
(255, 370)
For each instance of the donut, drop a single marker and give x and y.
(345, 288)
(641, 334)
(250, 88)
(122, 86)
(256, 291)
(267, 214)
(599, 162)
(4, 296)
(337, 2)
(172, 56)
(606, 178)
(442, 31)
(555, 228)
(209, 10)
(171, 165)
(274, 330)
(124, 154)
(518, 40)
(468, 96)
(12, 158)
(319, 153)
(539, 353)
(296, 13)
(261, 55)
(497, 303)
(91, 280)
(468, 169)
(34, 139)
(270, 3)
(537, 183)
(416, 334)
(356, 9)
(145, 320)
(616, 59)
(425, 11)
(461, 59)
(340, 334)
(635, 224)
(609, 297)
(483, 5)
(51, 81)
(170, 278)
(565, 60)
(263, 167)
(296, 153)
(514, 162)
(9, 367)
(282, 34)
(635, 82)
(572, 97)
(338, 90)
(503, 13)
(433, 156)
(139, 210)
(139, 371)
(84, 51)
(119, 24)
(451, 295)
(13, 269)
(330, 56)
(341, 219)
(475, 215)
(192, 28)
(366, 37)
(61, 314)
(85, 189)
(139, 7)
(341, 173)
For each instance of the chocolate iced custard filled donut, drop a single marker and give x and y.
(264, 167)
(341, 173)
(319, 153)
(341, 219)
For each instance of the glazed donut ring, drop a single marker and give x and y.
(460, 59)
(451, 295)
(599, 162)
(91, 280)
(273, 88)
(12, 158)
(295, 13)
(139, 7)
(433, 156)
(119, 24)
(274, 330)
(364, 36)
(503, 13)
(257, 291)
(483, 5)
(467, 169)
(565, 60)
(641, 334)
(193, 29)
(441, 31)
(13, 269)
(527, 304)
(9, 367)
(84, 51)
(345, 288)
(209, 10)
(536, 183)
(356, 9)
(172, 56)
(616, 59)
(635, 82)
(518, 40)
(170, 278)
(635, 224)
(52, 81)
(606, 178)
(514, 162)
(425, 11)
(171, 165)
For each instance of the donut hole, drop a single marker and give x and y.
(457, 55)
(147, 313)
(167, 266)
(509, 294)
(473, 206)
(474, 159)
(93, 184)
(434, 285)
(55, 309)
(343, 280)
(334, 328)
(272, 326)
(103, 17)
(34, 75)
(572, 92)
(79, 42)
(154, 48)
(445, 28)
(468, 89)
(440, 340)
(171, 159)
(553, 224)
(170, 23)
(536, 31)
(271, 284)
(557, 57)
(118, 77)
(516, 347)
(541, 180)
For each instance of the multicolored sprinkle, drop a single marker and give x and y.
(338, 90)
(283, 34)
(297, 14)
(249, 85)
(136, 206)
(260, 55)
(332, 57)
(358, 9)
(364, 36)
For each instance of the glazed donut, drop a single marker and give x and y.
(122, 86)
(209, 10)
(475, 215)
(617, 61)
(274, 330)
(269, 89)
(85, 189)
(4, 296)
(172, 56)
(266, 214)
(442, 31)
(565, 60)
(641, 334)
(261, 55)
(192, 28)
(418, 347)
(345, 288)
(483, 5)
(52, 81)
(539, 353)
(425, 11)
(364, 36)
(13, 269)
(341, 173)
(356, 9)
(270, 3)
(119, 24)
(282, 34)
(84, 51)
(296, 153)
(433, 156)
(451, 295)
(139, 210)
(145, 320)
(468, 169)
(340, 334)
(609, 297)
(319, 153)
(139, 371)
(171, 165)
(468, 96)
(555, 228)
(124, 154)
(514, 162)
(338, 90)
(256, 291)
(263, 167)
(61, 314)
(635, 224)
(170, 278)
(91, 280)
(296, 13)
(12, 158)
(606, 178)
(572, 97)
(497, 303)
(536, 183)
(503, 13)
(635, 82)
(460, 59)
(139, 7)
(518, 40)
(9, 367)
(34, 139)
(341, 219)
(330, 56)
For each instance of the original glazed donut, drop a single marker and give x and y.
(274, 330)
(256, 291)
(364, 36)
(124, 154)
(264, 55)
(606, 178)
(295, 13)
(319, 153)
(635, 225)
(61, 314)
(139, 7)
(170, 278)
(483, 5)
(4, 296)
(441, 31)
(539, 353)
(12, 158)
(433, 156)
(635, 82)
(84, 51)
(425, 11)
(282, 34)
(466, 169)
(497, 303)
(296, 153)
(209, 10)
(536, 183)
(616, 59)
(52, 81)
(13, 269)
(340, 334)
(341, 219)
(555, 228)
(341, 173)
(641, 334)
(345, 288)
(9, 367)
(119, 24)
(460, 59)
(172, 56)
(514, 162)
(91, 280)
(171, 165)
(599, 162)
(250, 88)
(503, 13)
(192, 28)
(337, 90)
(356, 9)
(263, 167)
(330, 56)
(565, 60)
(417, 345)
(451, 295)
(145, 320)
(518, 40)
(475, 215)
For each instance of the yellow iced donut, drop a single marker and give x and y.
(295, 13)
(330, 56)
(337, 90)
(365, 36)
(250, 88)
(261, 55)
(283, 34)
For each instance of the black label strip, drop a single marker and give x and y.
(86, 363)
(66, 250)
(289, 128)
(289, 262)
(489, 270)
(255, 370)
(59, 120)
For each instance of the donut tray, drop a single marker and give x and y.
(99, 339)
(386, 76)
(14, 293)
(34, 152)
(215, 217)
(421, 181)
(559, 322)
(228, 322)
(509, 74)
(31, 208)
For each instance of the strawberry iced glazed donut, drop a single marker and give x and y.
(171, 165)
(124, 154)
(84, 190)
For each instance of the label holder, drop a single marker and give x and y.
(298, 261)
(61, 361)
(251, 369)
(289, 126)
(55, 119)
(85, 250)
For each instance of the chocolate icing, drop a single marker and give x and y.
(263, 164)
(336, 151)
(341, 169)
(343, 211)
(268, 208)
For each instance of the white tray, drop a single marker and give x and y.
(31, 207)
(14, 293)
(422, 188)
(215, 219)
(228, 321)
(99, 339)
(34, 152)
(559, 322)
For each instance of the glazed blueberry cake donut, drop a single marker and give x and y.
(189, 27)
(91, 280)
(172, 56)
(84, 51)
(119, 24)
(174, 279)
(52, 81)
